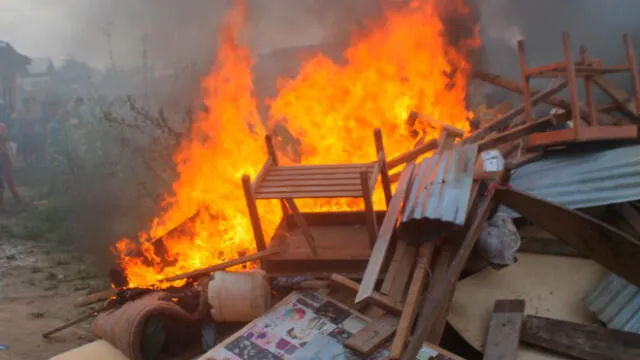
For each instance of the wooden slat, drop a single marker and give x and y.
(376, 298)
(413, 297)
(608, 246)
(369, 211)
(268, 164)
(503, 335)
(516, 133)
(324, 168)
(271, 177)
(307, 183)
(573, 84)
(309, 188)
(381, 246)
(588, 342)
(426, 320)
(376, 172)
(544, 68)
(256, 226)
(527, 106)
(373, 336)
(310, 195)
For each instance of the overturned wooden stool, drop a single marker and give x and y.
(287, 183)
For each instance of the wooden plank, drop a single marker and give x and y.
(503, 335)
(514, 113)
(588, 342)
(293, 177)
(373, 336)
(310, 195)
(443, 288)
(302, 224)
(630, 214)
(308, 188)
(588, 90)
(252, 208)
(376, 172)
(328, 168)
(544, 68)
(268, 164)
(412, 300)
(312, 182)
(608, 246)
(383, 240)
(376, 298)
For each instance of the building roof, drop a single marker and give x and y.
(40, 67)
(10, 57)
(582, 180)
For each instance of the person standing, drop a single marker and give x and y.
(6, 166)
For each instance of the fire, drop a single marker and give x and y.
(401, 65)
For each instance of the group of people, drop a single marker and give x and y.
(30, 133)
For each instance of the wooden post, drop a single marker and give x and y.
(384, 170)
(633, 65)
(573, 85)
(526, 91)
(253, 213)
(588, 88)
(271, 151)
(369, 212)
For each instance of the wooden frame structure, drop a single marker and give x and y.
(287, 183)
(592, 72)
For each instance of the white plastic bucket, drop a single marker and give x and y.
(239, 296)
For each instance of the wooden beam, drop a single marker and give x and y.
(416, 288)
(588, 342)
(374, 336)
(413, 154)
(514, 113)
(383, 240)
(516, 133)
(573, 82)
(503, 335)
(610, 247)
(443, 288)
(376, 298)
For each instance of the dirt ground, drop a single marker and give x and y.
(39, 280)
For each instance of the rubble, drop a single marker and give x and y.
(382, 285)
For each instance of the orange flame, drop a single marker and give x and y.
(402, 65)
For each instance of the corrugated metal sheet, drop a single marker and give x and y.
(442, 186)
(616, 303)
(581, 180)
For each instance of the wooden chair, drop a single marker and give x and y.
(287, 183)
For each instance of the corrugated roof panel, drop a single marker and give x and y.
(616, 303)
(442, 186)
(581, 180)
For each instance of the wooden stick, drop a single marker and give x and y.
(384, 171)
(222, 266)
(588, 89)
(633, 65)
(96, 297)
(573, 84)
(503, 335)
(71, 323)
(252, 208)
(273, 155)
(526, 91)
(304, 227)
(412, 154)
(413, 296)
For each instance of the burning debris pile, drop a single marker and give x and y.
(390, 205)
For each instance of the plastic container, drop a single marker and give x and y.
(239, 296)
